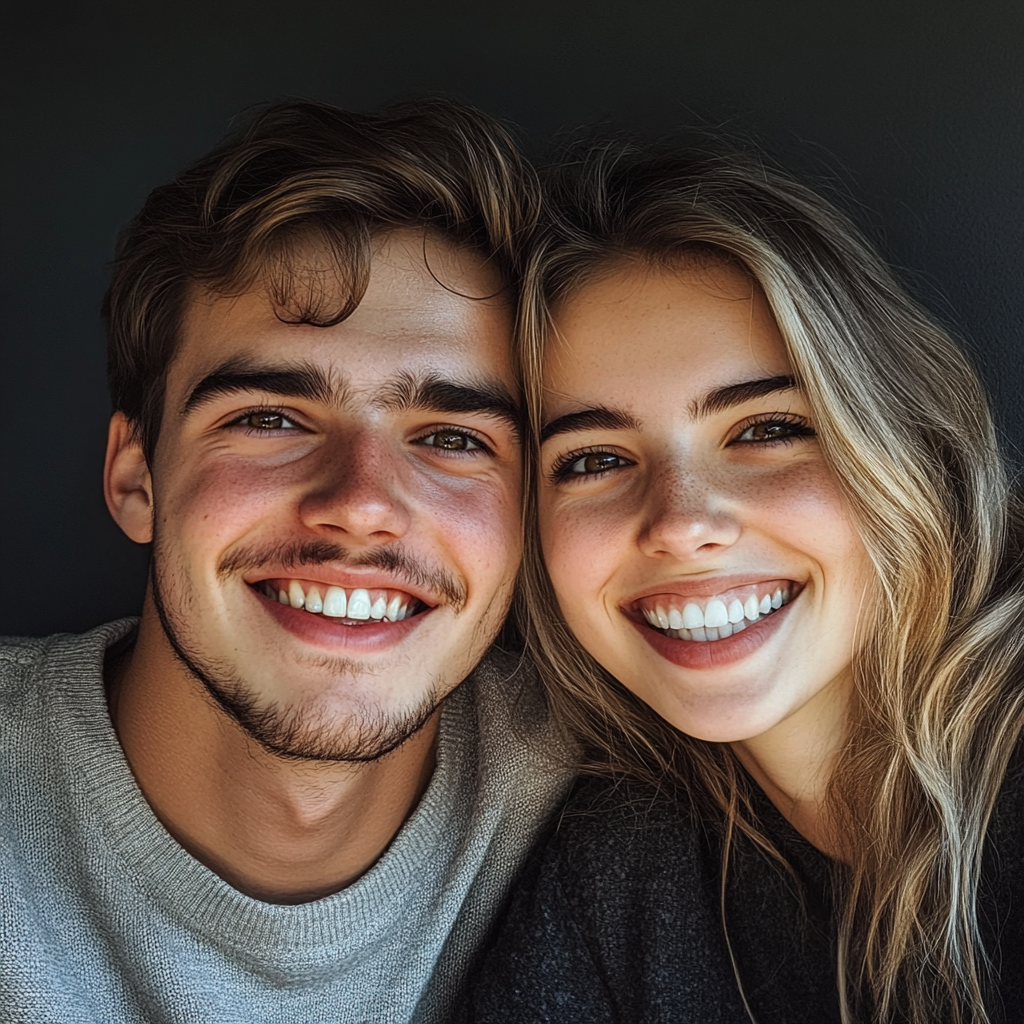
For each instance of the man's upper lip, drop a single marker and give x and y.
(706, 586)
(349, 578)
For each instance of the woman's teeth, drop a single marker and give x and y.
(715, 619)
(337, 603)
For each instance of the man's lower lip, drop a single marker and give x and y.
(711, 654)
(324, 631)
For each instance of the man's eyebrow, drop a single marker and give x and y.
(736, 394)
(433, 393)
(598, 418)
(289, 380)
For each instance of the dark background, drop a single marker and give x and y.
(913, 110)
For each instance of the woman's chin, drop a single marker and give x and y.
(737, 713)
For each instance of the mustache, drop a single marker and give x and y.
(394, 560)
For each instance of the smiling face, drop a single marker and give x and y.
(336, 510)
(696, 539)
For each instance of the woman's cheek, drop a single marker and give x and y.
(803, 505)
(583, 548)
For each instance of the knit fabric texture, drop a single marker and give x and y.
(621, 917)
(106, 918)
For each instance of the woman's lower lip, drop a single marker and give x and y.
(333, 634)
(711, 654)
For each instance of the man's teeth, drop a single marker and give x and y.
(715, 619)
(359, 605)
(337, 603)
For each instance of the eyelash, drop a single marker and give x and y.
(800, 428)
(482, 448)
(263, 410)
(561, 471)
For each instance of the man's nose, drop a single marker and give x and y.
(356, 495)
(687, 514)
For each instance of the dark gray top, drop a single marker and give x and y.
(619, 918)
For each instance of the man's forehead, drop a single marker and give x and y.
(413, 255)
(426, 305)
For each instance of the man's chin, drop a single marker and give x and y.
(310, 728)
(307, 732)
(321, 724)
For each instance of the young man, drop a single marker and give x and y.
(289, 792)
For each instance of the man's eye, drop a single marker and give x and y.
(266, 421)
(451, 441)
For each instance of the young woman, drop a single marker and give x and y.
(777, 591)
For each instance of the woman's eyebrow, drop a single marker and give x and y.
(598, 418)
(736, 394)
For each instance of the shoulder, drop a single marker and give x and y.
(616, 917)
(1005, 840)
(615, 838)
(1006, 828)
(20, 658)
(24, 675)
(511, 714)
(612, 850)
(621, 811)
(1001, 888)
(506, 683)
(32, 666)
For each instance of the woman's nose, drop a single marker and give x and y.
(687, 515)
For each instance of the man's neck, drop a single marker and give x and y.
(279, 830)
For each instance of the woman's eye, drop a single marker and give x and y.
(451, 441)
(590, 464)
(767, 431)
(266, 421)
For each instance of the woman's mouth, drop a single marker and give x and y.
(712, 631)
(716, 617)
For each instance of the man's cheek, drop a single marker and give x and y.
(483, 533)
(219, 499)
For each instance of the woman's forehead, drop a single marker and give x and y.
(642, 326)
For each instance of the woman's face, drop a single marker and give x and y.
(696, 539)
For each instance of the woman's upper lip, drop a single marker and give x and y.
(348, 578)
(709, 586)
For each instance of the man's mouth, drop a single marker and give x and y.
(717, 616)
(354, 606)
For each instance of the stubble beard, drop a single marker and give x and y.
(306, 730)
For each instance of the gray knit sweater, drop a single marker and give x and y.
(106, 918)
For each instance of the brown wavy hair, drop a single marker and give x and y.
(300, 176)
(904, 423)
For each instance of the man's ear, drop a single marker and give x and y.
(127, 485)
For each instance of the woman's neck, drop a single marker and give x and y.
(793, 763)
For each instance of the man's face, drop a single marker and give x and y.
(336, 510)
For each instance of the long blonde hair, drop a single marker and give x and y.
(904, 422)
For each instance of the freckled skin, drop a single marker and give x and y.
(352, 477)
(691, 503)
